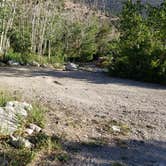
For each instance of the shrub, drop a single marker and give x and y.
(139, 53)
(4, 98)
(37, 116)
(20, 42)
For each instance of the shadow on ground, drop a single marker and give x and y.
(132, 153)
(91, 77)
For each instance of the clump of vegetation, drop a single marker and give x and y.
(29, 59)
(95, 142)
(140, 51)
(37, 116)
(4, 98)
(62, 157)
(19, 157)
(107, 127)
(23, 156)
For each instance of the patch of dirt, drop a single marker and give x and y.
(85, 105)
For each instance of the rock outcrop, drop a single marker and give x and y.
(10, 116)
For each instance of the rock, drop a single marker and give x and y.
(8, 121)
(20, 142)
(36, 64)
(10, 116)
(17, 110)
(17, 104)
(13, 63)
(63, 67)
(59, 66)
(27, 106)
(116, 128)
(29, 131)
(35, 128)
(44, 65)
(71, 67)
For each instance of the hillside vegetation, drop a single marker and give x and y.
(58, 31)
(140, 51)
(54, 30)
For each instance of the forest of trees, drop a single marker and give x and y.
(47, 31)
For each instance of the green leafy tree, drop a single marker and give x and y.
(141, 47)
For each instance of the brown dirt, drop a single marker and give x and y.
(83, 108)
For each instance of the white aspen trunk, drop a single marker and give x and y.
(4, 42)
(49, 49)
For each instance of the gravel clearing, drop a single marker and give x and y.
(83, 106)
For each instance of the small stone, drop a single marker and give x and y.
(71, 66)
(20, 111)
(29, 131)
(13, 63)
(11, 103)
(116, 128)
(36, 64)
(26, 143)
(35, 128)
(19, 142)
(27, 106)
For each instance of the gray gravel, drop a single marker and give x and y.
(79, 98)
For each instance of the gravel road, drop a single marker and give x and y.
(85, 105)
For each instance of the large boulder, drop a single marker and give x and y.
(71, 66)
(10, 116)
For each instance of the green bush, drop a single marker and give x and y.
(139, 53)
(56, 59)
(20, 42)
(14, 56)
(4, 98)
(24, 59)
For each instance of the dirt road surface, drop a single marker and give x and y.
(86, 106)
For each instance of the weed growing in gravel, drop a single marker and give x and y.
(19, 157)
(37, 115)
(106, 126)
(42, 140)
(62, 157)
(95, 142)
(4, 98)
